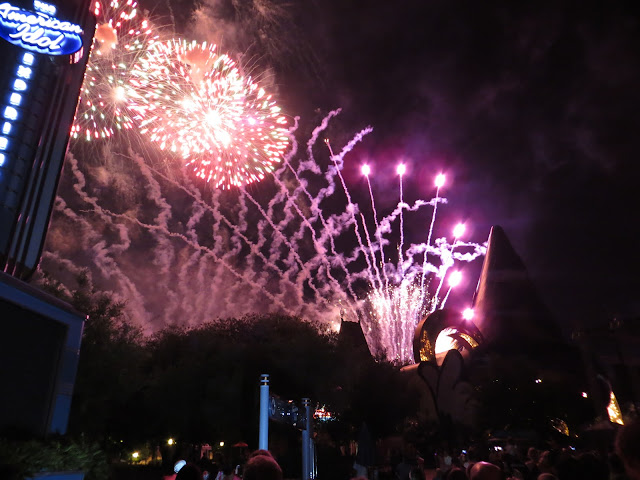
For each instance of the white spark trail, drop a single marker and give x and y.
(182, 254)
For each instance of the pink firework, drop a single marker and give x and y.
(193, 102)
(122, 35)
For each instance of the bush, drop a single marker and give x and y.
(21, 459)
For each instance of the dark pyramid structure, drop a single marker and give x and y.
(508, 308)
(523, 373)
(352, 341)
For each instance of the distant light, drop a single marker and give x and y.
(455, 278)
(366, 170)
(135, 454)
(440, 180)
(615, 415)
(584, 395)
(222, 444)
(401, 169)
(170, 441)
(458, 230)
(538, 380)
(323, 415)
(468, 313)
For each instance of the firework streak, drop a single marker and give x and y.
(181, 255)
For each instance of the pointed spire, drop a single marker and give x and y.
(351, 338)
(508, 309)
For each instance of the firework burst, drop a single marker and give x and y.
(178, 253)
(121, 36)
(399, 294)
(194, 102)
(394, 312)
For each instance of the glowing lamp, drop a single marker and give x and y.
(366, 170)
(170, 441)
(458, 230)
(440, 180)
(584, 395)
(468, 313)
(222, 444)
(135, 454)
(455, 278)
(401, 169)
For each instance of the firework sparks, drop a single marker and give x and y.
(439, 182)
(394, 308)
(392, 315)
(459, 230)
(233, 254)
(401, 170)
(121, 36)
(193, 102)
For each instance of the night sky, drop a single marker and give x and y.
(532, 111)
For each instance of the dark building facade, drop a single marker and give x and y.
(39, 349)
(44, 50)
(510, 365)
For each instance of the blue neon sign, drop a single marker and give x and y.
(10, 113)
(39, 31)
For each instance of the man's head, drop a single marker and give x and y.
(262, 467)
(485, 471)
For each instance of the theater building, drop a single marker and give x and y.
(44, 48)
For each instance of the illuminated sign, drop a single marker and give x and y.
(9, 113)
(39, 31)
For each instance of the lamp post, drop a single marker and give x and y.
(263, 435)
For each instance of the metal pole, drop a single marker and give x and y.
(306, 441)
(263, 435)
(312, 450)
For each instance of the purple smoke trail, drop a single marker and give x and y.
(401, 170)
(433, 221)
(377, 233)
(238, 253)
(107, 266)
(351, 207)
